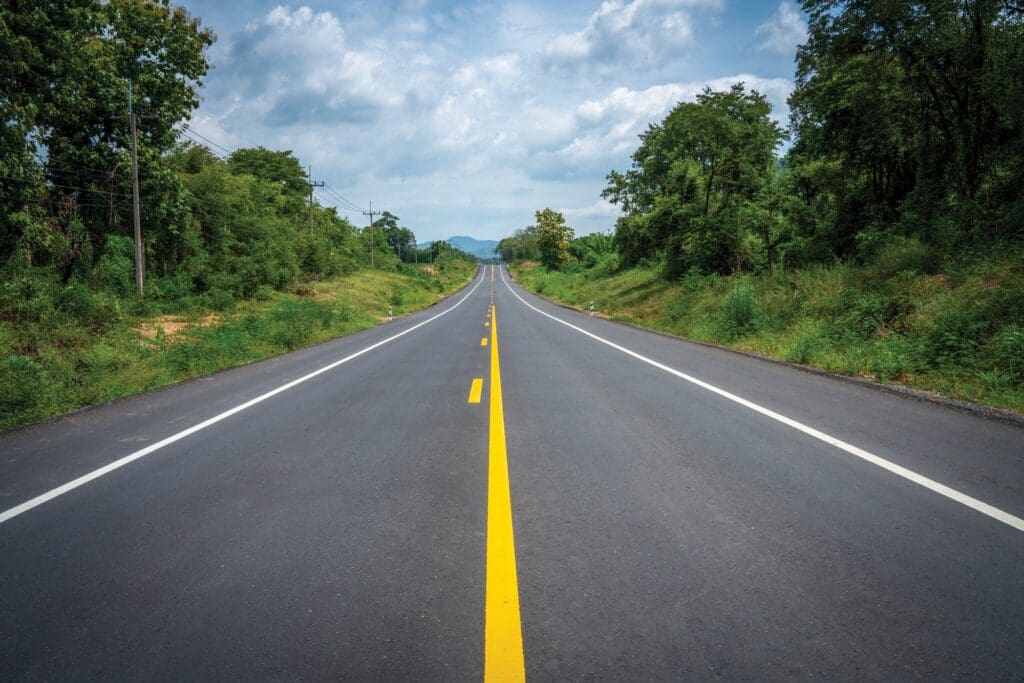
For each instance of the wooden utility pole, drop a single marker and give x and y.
(140, 265)
(371, 213)
(312, 184)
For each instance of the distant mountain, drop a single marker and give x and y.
(483, 249)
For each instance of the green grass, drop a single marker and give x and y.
(82, 348)
(908, 318)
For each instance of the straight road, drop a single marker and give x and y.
(497, 487)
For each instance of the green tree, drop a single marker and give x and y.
(911, 100)
(401, 239)
(692, 175)
(281, 167)
(553, 238)
(520, 246)
(65, 70)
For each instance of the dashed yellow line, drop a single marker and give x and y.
(483, 341)
(475, 389)
(503, 633)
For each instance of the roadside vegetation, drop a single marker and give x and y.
(888, 240)
(239, 265)
(83, 347)
(949, 328)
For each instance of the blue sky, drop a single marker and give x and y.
(465, 118)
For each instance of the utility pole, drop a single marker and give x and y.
(371, 213)
(311, 185)
(140, 253)
(140, 266)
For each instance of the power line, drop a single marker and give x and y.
(203, 137)
(92, 172)
(343, 199)
(346, 207)
(337, 196)
(47, 183)
(209, 149)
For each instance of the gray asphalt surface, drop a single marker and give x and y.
(338, 529)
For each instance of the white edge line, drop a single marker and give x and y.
(900, 471)
(106, 469)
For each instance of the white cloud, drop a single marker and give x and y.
(601, 209)
(455, 124)
(641, 30)
(783, 31)
(609, 126)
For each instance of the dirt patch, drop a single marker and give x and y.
(173, 325)
(990, 282)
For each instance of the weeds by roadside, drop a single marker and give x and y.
(907, 317)
(63, 348)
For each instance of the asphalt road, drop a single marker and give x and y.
(619, 506)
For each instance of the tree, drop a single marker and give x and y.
(911, 99)
(691, 176)
(520, 246)
(553, 237)
(64, 69)
(282, 168)
(402, 240)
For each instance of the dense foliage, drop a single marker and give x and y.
(906, 124)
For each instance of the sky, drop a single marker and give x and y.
(464, 118)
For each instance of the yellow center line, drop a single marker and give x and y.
(503, 633)
(483, 341)
(475, 389)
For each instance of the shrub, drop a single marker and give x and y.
(888, 363)
(97, 310)
(1008, 344)
(25, 390)
(952, 340)
(99, 357)
(115, 269)
(868, 313)
(803, 344)
(397, 295)
(908, 255)
(27, 299)
(738, 311)
(218, 300)
(294, 322)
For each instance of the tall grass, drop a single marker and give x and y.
(62, 348)
(906, 317)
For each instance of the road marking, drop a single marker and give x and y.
(487, 324)
(900, 471)
(503, 633)
(117, 464)
(483, 341)
(475, 389)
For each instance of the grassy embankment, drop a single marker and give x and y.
(81, 348)
(955, 328)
